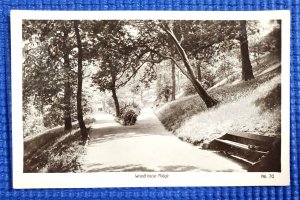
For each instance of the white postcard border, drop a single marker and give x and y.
(127, 179)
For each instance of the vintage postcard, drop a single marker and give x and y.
(150, 98)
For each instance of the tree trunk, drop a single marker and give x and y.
(199, 76)
(178, 81)
(67, 94)
(173, 81)
(208, 100)
(247, 73)
(114, 90)
(83, 130)
(116, 101)
(67, 86)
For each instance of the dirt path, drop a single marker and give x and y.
(146, 146)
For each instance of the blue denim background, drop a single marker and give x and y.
(241, 193)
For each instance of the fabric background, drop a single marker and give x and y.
(241, 193)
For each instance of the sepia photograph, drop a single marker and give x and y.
(151, 96)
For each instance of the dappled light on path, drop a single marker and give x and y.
(145, 146)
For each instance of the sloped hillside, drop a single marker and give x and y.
(252, 106)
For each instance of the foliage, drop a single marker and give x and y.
(54, 116)
(47, 68)
(272, 41)
(227, 64)
(188, 89)
(33, 121)
(119, 60)
(129, 112)
(59, 156)
(129, 55)
(65, 154)
(163, 93)
(110, 106)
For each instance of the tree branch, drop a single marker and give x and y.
(139, 56)
(182, 36)
(176, 63)
(132, 75)
(185, 59)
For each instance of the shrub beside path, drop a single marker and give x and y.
(144, 147)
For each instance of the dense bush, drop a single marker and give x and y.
(129, 112)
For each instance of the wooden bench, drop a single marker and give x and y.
(242, 146)
(247, 147)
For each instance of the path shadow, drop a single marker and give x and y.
(103, 121)
(113, 133)
(110, 130)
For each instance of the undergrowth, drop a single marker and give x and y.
(63, 157)
(60, 156)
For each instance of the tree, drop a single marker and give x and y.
(159, 40)
(45, 72)
(188, 71)
(83, 129)
(173, 82)
(197, 40)
(119, 60)
(67, 82)
(247, 73)
(199, 76)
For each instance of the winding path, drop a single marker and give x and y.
(145, 146)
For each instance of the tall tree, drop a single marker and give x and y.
(67, 82)
(173, 76)
(199, 76)
(119, 61)
(47, 75)
(190, 38)
(115, 71)
(208, 100)
(173, 81)
(247, 73)
(83, 129)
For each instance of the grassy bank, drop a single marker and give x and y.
(256, 113)
(58, 155)
(250, 106)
